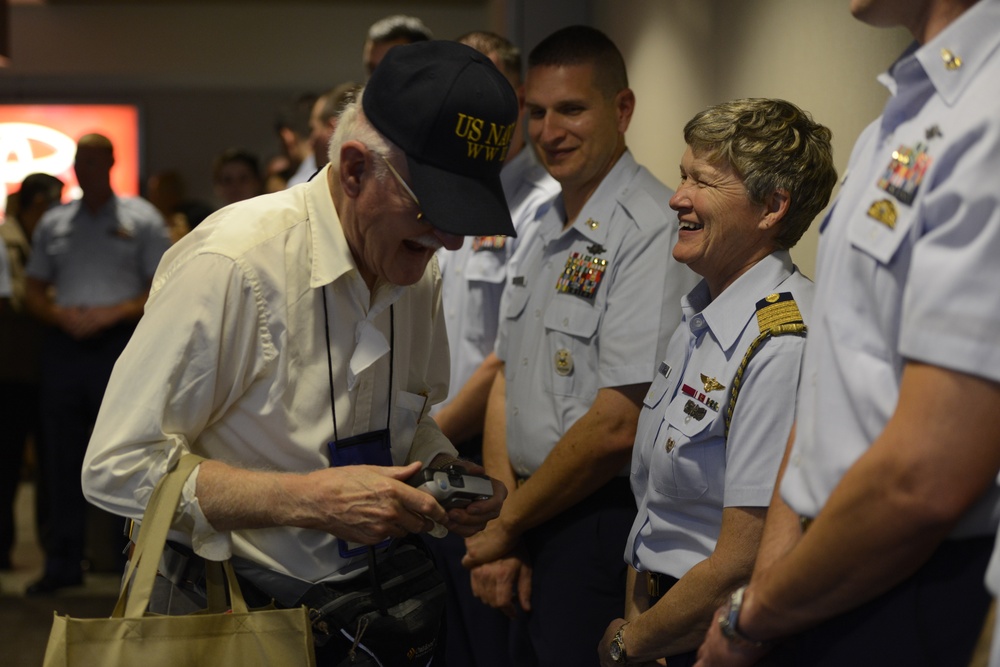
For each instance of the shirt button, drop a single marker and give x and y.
(538, 313)
(565, 321)
(514, 412)
(698, 322)
(524, 362)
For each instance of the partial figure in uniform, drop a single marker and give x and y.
(323, 119)
(580, 329)
(236, 176)
(20, 352)
(472, 283)
(755, 174)
(88, 279)
(294, 133)
(878, 537)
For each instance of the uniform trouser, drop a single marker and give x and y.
(74, 377)
(18, 418)
(932, 619)
(578, 580)
(475, 634)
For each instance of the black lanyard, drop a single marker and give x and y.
(329, 362)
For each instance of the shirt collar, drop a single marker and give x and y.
(952, 59)
(331, 254)
(592, 222)
(727, 316)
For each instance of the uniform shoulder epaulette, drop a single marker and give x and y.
(777, 314)
(778, 310)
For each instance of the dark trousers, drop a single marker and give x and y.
(475, 634)
(578, 580)
(932, 619)
(74, 377)
(18, 419)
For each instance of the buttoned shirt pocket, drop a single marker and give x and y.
(517, 298)
(880, 233)
(686, 451)
(650, 419)
(484, 277)
(405, 415)
(570, 329)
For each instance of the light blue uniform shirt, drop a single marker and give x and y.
(472, 277)
(98, 259)
(909, 267)
(559, 348)
(684, 470)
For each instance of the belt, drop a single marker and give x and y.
(657, 586)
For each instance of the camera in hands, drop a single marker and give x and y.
(453, 486)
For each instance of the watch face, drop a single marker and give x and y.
(616, 651)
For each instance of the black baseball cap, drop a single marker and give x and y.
(452, 113)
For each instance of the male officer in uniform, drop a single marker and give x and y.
(592, 300)
(99, 254)
(472, 283)
(875, 547)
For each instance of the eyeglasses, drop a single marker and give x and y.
(399, 179)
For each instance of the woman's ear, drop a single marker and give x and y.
(775, 207)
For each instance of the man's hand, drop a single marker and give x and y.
(493, 543)
(367, 504)
(471, 519)
(496, 583)
(718, 651)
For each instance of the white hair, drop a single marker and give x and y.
(353, 125)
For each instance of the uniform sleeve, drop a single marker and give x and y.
(643, 306)
(155, 240)
(762, 420)
(39, 264)
(194, 353)
(951, 306)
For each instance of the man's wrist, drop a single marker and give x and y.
(617, 650)
(729, 622)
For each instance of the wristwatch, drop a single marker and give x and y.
(729, 621)
(618, 654)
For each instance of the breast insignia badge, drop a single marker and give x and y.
(564, 362)
(711, 384)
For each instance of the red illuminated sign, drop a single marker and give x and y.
(42, 138)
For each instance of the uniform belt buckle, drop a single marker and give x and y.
(653, 585)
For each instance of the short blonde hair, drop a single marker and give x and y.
(772, 145)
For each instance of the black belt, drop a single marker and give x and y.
(657, 586)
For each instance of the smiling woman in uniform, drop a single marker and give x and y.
(754, 175)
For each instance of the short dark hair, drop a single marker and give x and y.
(399, 26)
(295, 114)
(583, 45)
(772, 145)
(489, 44)
(33, 185)
(236, 155)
